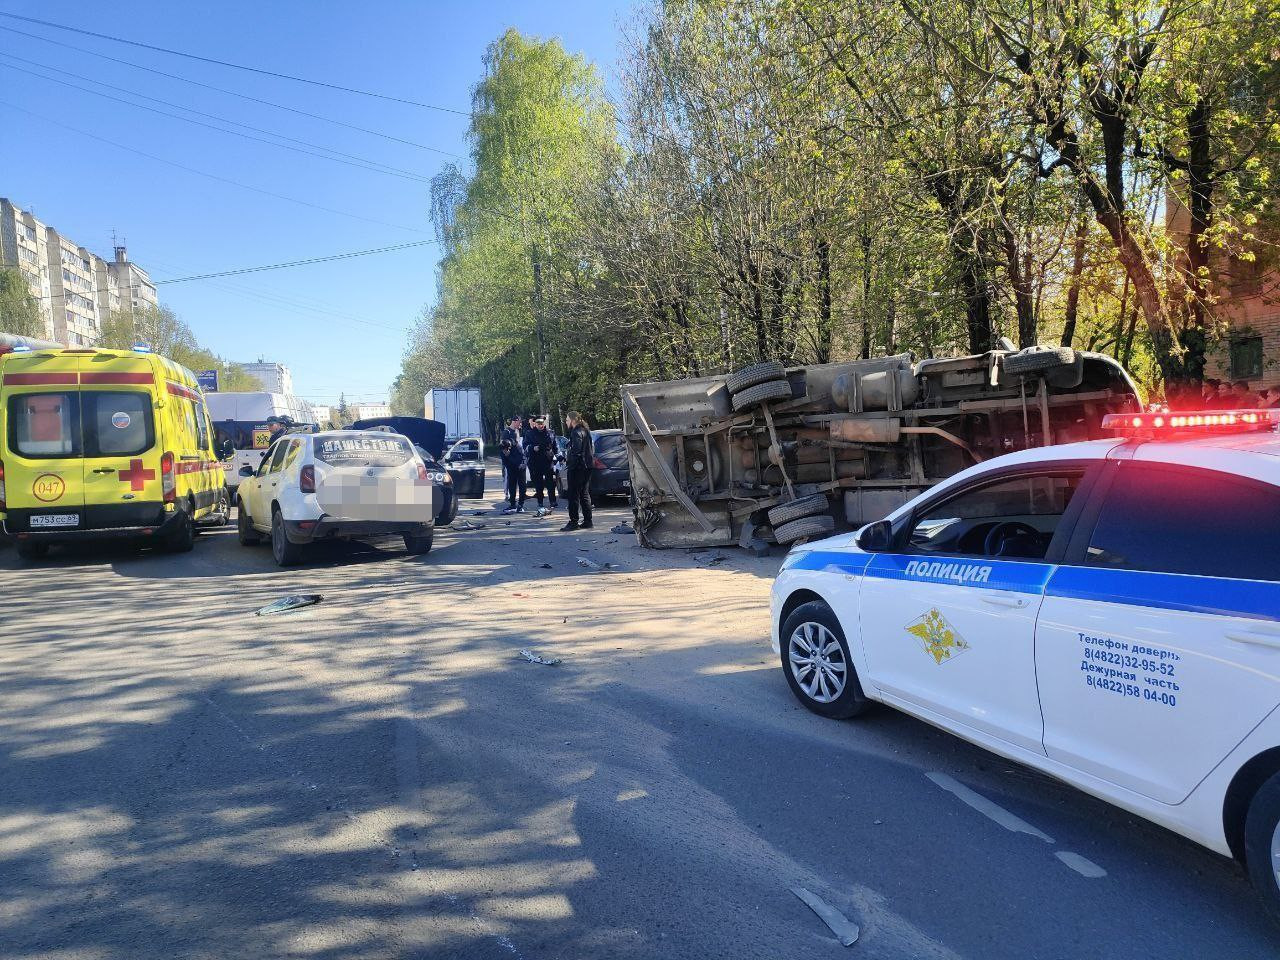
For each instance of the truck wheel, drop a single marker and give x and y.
(244, 528)
(1035, 359)
(804, 507)
(750, 376)
(817, 664)
(1262, 846)
(283, 550)
(804, 528)
(182, 538)
(28, 550)
(761, 393)
(417, 544)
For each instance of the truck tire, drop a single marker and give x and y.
(1261, 825)
(1036, 359)
(804, 507)
(804, 528)
(761, 393)
(750, 376)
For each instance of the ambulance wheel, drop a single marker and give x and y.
(285, 552)
(223, 507)
(244, 528)
(32, 551)
(182, 538)
(816, 661)
(419, 544)
(1262, 845)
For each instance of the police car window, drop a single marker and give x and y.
(1188, 521)
(44, 424)
(1014, 518)
(116, 424)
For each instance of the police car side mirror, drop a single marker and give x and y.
(876, 537)
(246, 471)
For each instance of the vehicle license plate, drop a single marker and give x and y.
(55, 520)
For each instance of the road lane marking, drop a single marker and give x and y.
(1081, 865)
(992, 811)
(846, 931)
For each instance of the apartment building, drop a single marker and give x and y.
(76, 290)
(274, 377)
(367, 411)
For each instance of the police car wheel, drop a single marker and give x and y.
(816, 661)
(244, 528)
(1262, 845)
(283, 550)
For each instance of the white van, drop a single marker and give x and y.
(242, 419)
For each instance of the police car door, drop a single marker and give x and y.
(949, 623)
(1158, 647)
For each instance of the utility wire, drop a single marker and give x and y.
(358, 162)
(211, 176)
(234, 93)
(238, 66)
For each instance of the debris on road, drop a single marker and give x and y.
(544, 566)
(467, 525)
(292, 602)
(845, 930)
(623, 527)
(533, 657)
(592, 565)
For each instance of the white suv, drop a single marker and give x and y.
(341, 483)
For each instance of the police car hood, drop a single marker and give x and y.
(427, 434)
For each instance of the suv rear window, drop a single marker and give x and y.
(1189, 521)
(89, 423)
(372, 450)
(611, 448)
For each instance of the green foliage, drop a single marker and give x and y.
(19, 310)
(162, 330)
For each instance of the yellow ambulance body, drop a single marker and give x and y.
(98, 443)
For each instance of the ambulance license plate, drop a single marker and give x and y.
(55, 520)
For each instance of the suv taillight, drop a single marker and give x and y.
(307, 479)
(2, 506)
(168, 482)
(598, 464)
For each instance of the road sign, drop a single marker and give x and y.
(208, 380)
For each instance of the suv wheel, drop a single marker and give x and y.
(244, 527)
(1262, 845)
(816, 661)
(286, 552)
(419, 543)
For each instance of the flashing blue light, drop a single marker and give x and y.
(142, 348)
(21, 348)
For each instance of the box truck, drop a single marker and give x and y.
(458, 409)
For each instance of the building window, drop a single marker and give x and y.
(1246, 358)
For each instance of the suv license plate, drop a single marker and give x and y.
(55, 520)
(626, 483)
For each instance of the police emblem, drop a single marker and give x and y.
(939, 638)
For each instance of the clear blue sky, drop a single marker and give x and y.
(178, 223)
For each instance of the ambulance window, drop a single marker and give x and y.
(202, 425)
(44, 425)
(116, 424)
(1188, 521)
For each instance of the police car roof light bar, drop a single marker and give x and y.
(1149, 425)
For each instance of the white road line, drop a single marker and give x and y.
(845, 930)
(985, 807)
(1081, 865)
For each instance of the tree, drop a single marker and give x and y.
(165, 334)
(19, 310)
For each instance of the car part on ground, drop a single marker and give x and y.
(291, 602)
(707, 464)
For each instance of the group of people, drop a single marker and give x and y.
(1225, 395)
(529, 454)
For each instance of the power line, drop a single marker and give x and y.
(233, 93)
(359, 162)
(238, 66)
(211, 176)
(298, 263)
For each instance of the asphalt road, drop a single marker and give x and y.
(382, 775)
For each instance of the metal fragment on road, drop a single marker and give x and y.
(623, 527)
(467, 525)
(987, 808)
(587, 564)
(292, 602)
(533, 657)
(1081, 865)
(846, 930)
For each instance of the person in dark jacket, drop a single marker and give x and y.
(512, 455)
(580, 459)
(539, 453)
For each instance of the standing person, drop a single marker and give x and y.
(579, 459)
(513, 472)
(539, 452)
(510, 434)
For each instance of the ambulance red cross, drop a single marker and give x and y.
(1107, 612)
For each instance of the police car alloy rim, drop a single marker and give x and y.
(817, 662)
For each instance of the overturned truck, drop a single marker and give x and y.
(776, 455)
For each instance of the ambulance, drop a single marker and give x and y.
(98, 443)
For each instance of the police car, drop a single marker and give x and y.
(1107, 612)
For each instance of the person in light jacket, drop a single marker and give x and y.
(580, 461)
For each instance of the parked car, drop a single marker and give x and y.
(612, 474)
(427, 437)
(465, 463)
(336, 484)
